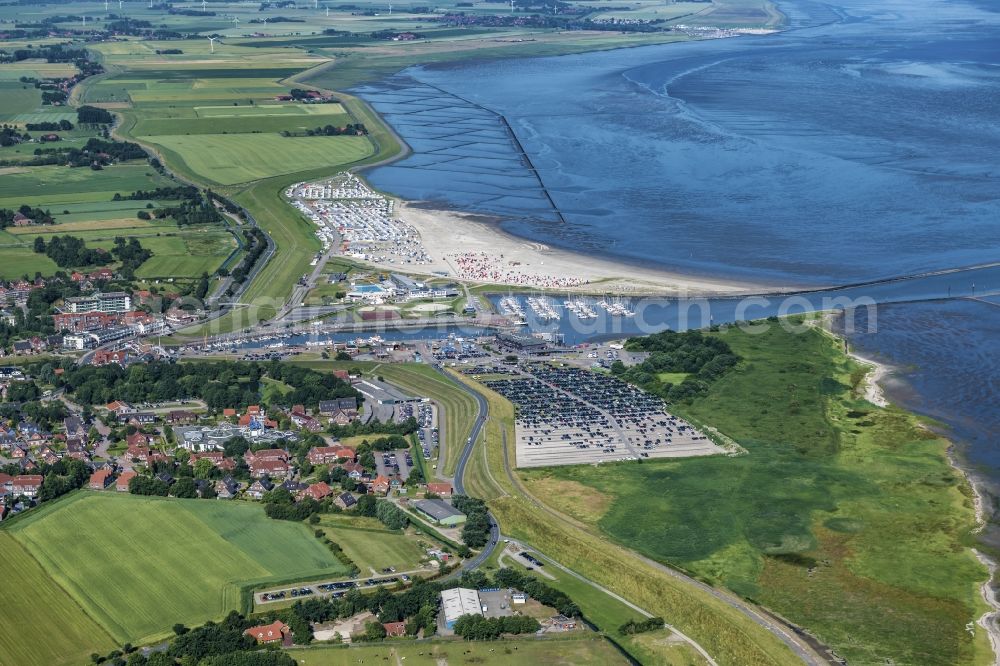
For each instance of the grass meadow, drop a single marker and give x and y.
(138, 565)
(845, 518)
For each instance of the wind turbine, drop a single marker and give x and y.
(105, 6)
(511, 6)
(315, 4)
(202, 5)
(85, 20)
(120, 5)
(236, 20)
(328, 12)
(390, 9)
(211, 43)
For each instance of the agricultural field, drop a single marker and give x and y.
(228, 159)
(137, 565)
(816, 520)
(37, 603)
(82, 203)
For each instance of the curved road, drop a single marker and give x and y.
(458, 483)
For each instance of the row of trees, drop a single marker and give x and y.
(63, 125)
(479, 628)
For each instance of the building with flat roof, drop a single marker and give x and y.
(457, 602)
(110, 301)
(440, 512)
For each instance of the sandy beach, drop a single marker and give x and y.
(474, 249)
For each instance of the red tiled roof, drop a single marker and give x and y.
(268, 633)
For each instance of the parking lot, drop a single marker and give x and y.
(569, 416)
(335, 589)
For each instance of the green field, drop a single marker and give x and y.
(228, 159)
(581, 649)
(374, 549)
(138, 565)
(844, 518)
(43, 624)
(53, 186)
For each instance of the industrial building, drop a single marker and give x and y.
(440, 512)
(457, 602)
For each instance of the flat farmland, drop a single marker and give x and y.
(37, 604)
(18, 98)
(137, 565)
(243, 122)
(18, 261)
(229, 159)
(53, 186)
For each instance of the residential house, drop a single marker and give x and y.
(137, 453)
(139, 418)
(381, 485)
(217, 457)
(101, 479)
(74, 427)
(354, 470)
(118, 408)
(322, 455)
(181, 417)
(306, 422)
(442, 489)
(277, 469)
(26, 484)
(227, 488)
(318, 491)
(259, 487)
(345, 500)
(276, 632)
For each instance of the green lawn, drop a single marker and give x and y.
(376, 549)
(138, 565)
(238, 158)
(844, 518)
(42, 623)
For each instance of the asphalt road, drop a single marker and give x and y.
(459, 484)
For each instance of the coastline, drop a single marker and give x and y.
(473, 248)
(989, 620)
